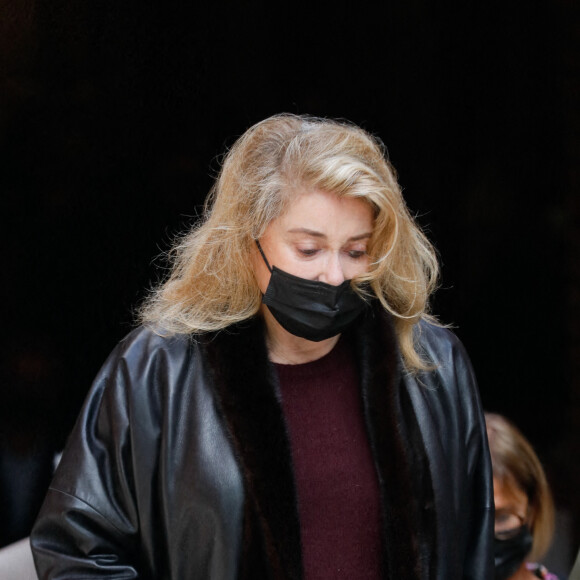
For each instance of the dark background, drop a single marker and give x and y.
(112, 119)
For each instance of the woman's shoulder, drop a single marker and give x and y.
(147, 353)
(450, 369)
(145, 342)
(438, 342)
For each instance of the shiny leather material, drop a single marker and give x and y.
(155, 482)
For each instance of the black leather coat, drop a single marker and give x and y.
(179, 466)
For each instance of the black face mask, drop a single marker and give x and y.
(310, 309)
(511, 552)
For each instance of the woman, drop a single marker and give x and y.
(524, 511)
(287, 409)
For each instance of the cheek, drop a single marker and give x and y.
(351, 270)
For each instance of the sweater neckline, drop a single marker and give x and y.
(319, 367)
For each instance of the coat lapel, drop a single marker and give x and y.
(247, 393)
(397, 448)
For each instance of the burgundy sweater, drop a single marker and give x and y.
(336, 481)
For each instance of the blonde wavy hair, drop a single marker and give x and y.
(212, 283)
(516, 465)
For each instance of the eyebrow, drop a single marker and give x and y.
(317, 234)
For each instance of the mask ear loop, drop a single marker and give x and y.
(263, 255)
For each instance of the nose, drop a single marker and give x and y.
(333, 273)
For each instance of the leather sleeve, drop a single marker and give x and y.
(479, 553)
(449, 411)
(88, 525)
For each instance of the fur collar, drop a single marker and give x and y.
(248, 396)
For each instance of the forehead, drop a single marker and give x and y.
(316, 209)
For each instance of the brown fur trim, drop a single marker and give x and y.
(380, 372)
(247, 393)
(398, 449)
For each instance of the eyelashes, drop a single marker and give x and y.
(352, 254)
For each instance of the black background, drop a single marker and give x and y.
(113, 118)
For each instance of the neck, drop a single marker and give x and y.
(286, 348)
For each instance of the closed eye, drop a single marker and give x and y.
(308, 251)
(356, 254)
